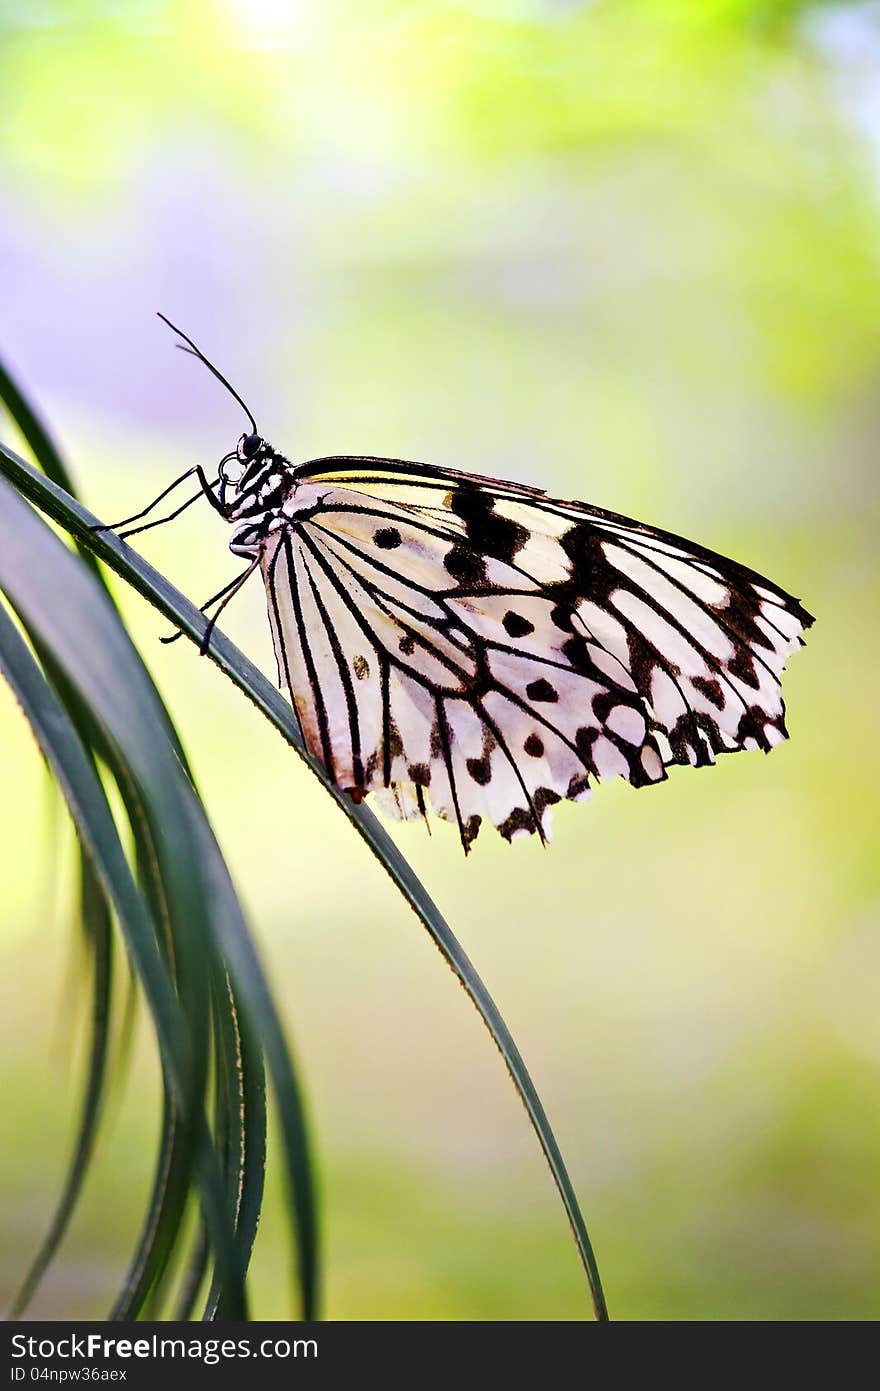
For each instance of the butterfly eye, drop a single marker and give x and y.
(248, 445)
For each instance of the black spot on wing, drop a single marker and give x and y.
(470, 831)
(753, 725)
(591, 572)
(541, 690)
(387, 538)
(577, 786)
(516, 626)
(546, 797)
(521, 819)
(643, 662)
(710, 687)
(489, 533)
(562, 615)
(394, 743)
(480, 770)
(465, 565)
(577, 653)
(740, 614)
(603, 703)
(742, 665)
(584, 739)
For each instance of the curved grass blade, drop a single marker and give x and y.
(58, 597)
(192, 1281)
(44, 449)
(94, 823)
(34, 432)
(86, 799)
(241, 1095)
(171, 1183)
(173, 1172)
(96, 919)
(157, 590)
(164, 1212)
(171, 1179)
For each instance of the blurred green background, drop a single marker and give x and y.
(627, 251)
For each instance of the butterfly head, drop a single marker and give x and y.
(249, 447)
(254, 479)
(252, 456)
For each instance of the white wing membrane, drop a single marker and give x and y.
(477, 650)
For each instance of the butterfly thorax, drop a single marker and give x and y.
(264, 497)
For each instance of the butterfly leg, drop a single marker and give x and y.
(206, 490)
(228, 592)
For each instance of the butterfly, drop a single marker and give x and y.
(471, 648)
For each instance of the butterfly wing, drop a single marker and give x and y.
(472, 647)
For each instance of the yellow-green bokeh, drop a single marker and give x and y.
(629, 252)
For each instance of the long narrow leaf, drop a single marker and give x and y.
(57, 597)
(96, 918)
(94, 823)
(172, 1182)
(36, 434)
(241, 1093)
(34, 431)
(47, 599)
(161, 1227)
(173, 1168)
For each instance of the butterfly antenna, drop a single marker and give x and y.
(197, 352)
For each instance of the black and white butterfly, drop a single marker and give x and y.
(471, 648)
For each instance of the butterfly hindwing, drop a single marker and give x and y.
(475, 649)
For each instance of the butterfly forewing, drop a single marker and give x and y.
(473, 648)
